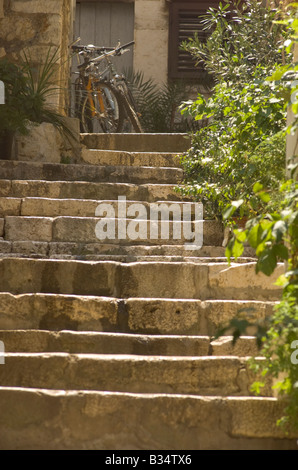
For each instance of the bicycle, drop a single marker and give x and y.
(103, 98)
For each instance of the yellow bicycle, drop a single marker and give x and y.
(103, 98)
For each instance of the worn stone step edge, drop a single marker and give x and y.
(150, 142)
(54, 419)
(200, 375)
(91, 342)
(88, 173)
(139, 279)
(119, 157)
(37, 253)
(54, 249)
(89, 190)
(139, 316)
(193, 235)
(47, 207)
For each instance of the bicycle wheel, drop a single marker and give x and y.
(102, 110)
(130, 108)
(79, 89)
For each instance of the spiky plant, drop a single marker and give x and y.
(28, 91)
(158, 104)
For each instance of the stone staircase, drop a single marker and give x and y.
(109, 344)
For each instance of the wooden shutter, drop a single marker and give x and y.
(185, 21)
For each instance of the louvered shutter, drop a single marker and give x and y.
(185, 21)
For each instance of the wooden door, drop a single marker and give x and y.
(104, 24)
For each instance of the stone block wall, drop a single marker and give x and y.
(151, 39)
(34, 26)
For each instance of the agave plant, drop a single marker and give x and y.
(28, 93)
(40, 88)
(158, 105)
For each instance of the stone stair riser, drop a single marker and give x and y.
(123, 231)
(45, 207)
(117, 174)
(117, 158)
(84, 190)
(165, 280)
(146, 316)
(118, 252)
(136, 421)
(212, 376)
(33, 341)
(137, 142)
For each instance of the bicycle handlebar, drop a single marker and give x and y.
(125, 45)
(118, 50)
(91, 48)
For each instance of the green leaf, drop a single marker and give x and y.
(254, 236)
(240, 235)
(237, 249)
(265, 197)
(267, 262)
(257, 187)
(281, 281)
(278, 230)
(281, 251)
(232, 208)
(256, 387)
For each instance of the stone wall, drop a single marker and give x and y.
(34, 26)
(151, 39)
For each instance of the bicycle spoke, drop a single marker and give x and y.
(101, 111)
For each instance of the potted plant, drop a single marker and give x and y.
(27, 93)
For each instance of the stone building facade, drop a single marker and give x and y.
(157, 27)
(33, 26)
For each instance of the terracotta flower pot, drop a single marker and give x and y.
(240, 221)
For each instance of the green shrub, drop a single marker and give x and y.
(237, 165)
(274, 236)
(246, 113)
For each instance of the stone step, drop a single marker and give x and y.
(54, 207)
(82, 342)
(120, 157)
(30, 341)
(138, 142)
(88, 190)
(129, 259)
(116, 252)
(175, 280)
(191, 375)
(19, 170)
(53, 419)
(134, 315)
(113, 231)
(115, 339)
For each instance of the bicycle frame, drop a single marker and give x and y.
(89, 88)
(112, 92)
(90, 98)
